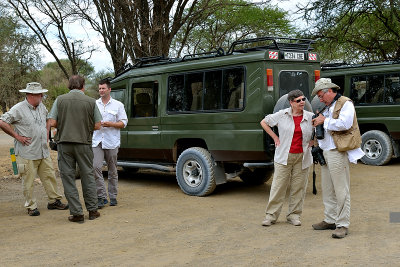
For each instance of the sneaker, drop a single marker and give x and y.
(294, 221)
(57, 205)
(34, 212)
(324, 226)
(340, 232)
(267, 222)
(113, 202)
(101, 202)
(76, 218)
(93, 214)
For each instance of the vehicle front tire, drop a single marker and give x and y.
(257, 176)
(377, 147)
(195, 172)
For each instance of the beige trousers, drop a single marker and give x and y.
(290, 176)
(28, 169)
(335, 183)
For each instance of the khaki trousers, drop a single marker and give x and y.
(290, 176)
(28, 169)
(335, 183)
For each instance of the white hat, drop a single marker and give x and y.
(324, 83)
(33, 88)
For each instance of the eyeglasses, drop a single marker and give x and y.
(321, 96)
(301, 99)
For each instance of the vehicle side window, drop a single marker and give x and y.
(339, 80)
(207, 91)
(212, 90)
(375, 89)
(233, 88)
(392, 84)
(118, 95)
(194, 92)
(144, 99)
(358, 89)
(176, 96)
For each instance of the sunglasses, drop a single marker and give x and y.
(299, 100)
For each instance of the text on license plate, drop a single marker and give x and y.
(294, 55)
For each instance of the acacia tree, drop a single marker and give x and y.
(50, 17)
(52, 78)
(143, 28)
(237, 20)
(355, 31)
(19, 60)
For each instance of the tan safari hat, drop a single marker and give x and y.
(33, 88)
(324, 83)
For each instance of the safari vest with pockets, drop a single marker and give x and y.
(351, 138)
(75, 122)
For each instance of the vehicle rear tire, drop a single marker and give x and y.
(377, 147)
(257, 176)
(195, 172)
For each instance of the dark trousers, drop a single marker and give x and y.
(70, 154)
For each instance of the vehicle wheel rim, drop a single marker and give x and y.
(372, 149)
(192, 173)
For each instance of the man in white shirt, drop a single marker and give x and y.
(106, 142)
(340, 145)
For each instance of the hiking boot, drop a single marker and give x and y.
(340, 232)
(76, 218)
(34, 212)
(57, 205)
(294, 221)
(324, 226)
(93, 214)
(113, 202)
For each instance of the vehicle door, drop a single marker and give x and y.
(143, 133)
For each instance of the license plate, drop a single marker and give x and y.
(294, 56)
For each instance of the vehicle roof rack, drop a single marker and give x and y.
(217, 53)
(144, 62)
(248, 45)
(344, 65)
(278, 43)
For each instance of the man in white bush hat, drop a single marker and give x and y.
(341, 145)
(30, 134)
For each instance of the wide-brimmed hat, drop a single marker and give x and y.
(33, 88)
(324, 83)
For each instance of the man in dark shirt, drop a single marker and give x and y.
(76, 116)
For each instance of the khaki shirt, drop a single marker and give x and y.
(29, 122)
(283, 119)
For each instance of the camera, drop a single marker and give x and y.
(318, 156)
(319, 129)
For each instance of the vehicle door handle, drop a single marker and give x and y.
(155, 128)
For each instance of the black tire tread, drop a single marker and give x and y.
(210, 162)
(386, 145)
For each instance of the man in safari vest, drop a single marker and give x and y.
(340, 145)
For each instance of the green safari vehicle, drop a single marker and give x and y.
(375, 91)
(199, 115)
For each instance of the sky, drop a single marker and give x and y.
(101, 59)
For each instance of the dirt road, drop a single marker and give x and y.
(155, 224)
